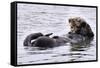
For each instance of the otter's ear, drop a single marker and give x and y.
(83, 24)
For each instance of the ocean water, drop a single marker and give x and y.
(33, 18)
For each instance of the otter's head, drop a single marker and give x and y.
(76, 23)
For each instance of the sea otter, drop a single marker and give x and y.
(80, 32)
(80, 26)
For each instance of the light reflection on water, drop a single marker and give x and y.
(48, 19)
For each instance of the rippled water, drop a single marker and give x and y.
(53, 19)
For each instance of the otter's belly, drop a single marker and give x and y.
(75, 38)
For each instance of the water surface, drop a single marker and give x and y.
(53, 19)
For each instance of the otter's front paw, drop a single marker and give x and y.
(70, 37)
(69, 32)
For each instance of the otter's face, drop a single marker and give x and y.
(75, 21)
(75, 24)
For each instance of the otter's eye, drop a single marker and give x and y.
(71, 27)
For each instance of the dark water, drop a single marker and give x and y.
(53, 19)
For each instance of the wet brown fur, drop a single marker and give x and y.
(80, 26)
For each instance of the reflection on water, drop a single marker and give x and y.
(48, 19)
(81, 46)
